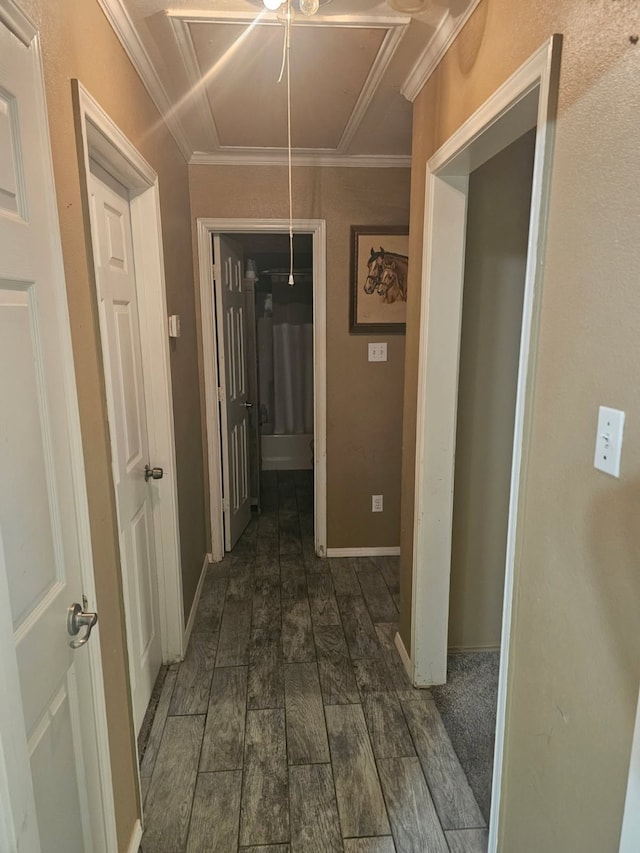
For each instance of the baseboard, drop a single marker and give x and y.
(456, 650)
(208, 559)
(136, 838)
(364, 552)
(404, 657)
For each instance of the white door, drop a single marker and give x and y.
(234, 421)
(122, 357)
(55, 785)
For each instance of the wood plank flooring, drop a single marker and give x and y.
(291, 726)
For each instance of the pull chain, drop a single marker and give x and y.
(286, 63)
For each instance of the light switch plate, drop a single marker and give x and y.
(609, 441)
(377, 352)
(174, 326)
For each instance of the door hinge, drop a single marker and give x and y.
(220, 395)
(214, 270)
(225, 504)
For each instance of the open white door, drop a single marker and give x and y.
(55, 786)
(234, 421)
(134, 487)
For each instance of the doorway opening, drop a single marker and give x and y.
(264, 368)
(278, 354)
(498, 212)
(525, 103)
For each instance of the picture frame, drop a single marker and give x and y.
(379, 262)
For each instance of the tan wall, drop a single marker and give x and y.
(495, 258)
(575, 661)
(364, 400)
(78, 42)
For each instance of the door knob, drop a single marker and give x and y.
(77, 618)
(153, 473)
(248, 405)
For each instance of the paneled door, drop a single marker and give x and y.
(134, 482)
(232, 392)
(55, 789)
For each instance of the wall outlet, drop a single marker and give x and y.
(377, 503)
(377, 352)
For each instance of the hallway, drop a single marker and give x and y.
(291, 726)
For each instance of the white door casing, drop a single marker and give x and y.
(55, 778)
(234, 419)
(122, 358)
(630, 834)
(317, 228)
(104, 142)
(526, 100)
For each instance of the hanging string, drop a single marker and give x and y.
(286, 63)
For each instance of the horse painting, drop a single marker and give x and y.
(387, 276)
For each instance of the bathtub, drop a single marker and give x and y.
(286, 452)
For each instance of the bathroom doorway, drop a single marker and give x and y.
(279, 334)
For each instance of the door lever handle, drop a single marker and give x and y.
(153, 473)
(248, 405)
(77, 618)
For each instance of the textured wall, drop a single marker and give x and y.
(495, 258)
(364, 400)
(575, 661)
(78, 42)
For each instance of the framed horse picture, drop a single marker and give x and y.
(379, 261)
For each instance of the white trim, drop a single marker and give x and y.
(197, 91)
(122, 25)
(15, 20)
(630, 833)
(265, 18)
(208, 559)
(103, 141)
(392, 551)
(318, 229)
(439, 44)
(136, 838)
(404, 656)
(501, 120)
(278, 157)
(380, 64)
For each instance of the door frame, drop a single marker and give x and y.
(105, 143)
(15, 778)
(527, 99)
(318, 230)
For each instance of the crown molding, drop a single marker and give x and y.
(439, 44)
(12, 16)
(268, 157)
(127, 34)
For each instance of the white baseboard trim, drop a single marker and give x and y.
(404, 657)
(208, 559)
(136, 838)
(364, 552)
(456, 650)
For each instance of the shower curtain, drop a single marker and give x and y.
(285, 352)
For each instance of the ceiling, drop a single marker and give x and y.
(212, 69)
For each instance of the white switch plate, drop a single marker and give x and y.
(377, 503)
(174, 325)
(609, 441)
(377, 352)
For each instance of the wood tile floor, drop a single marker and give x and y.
(291, 727)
